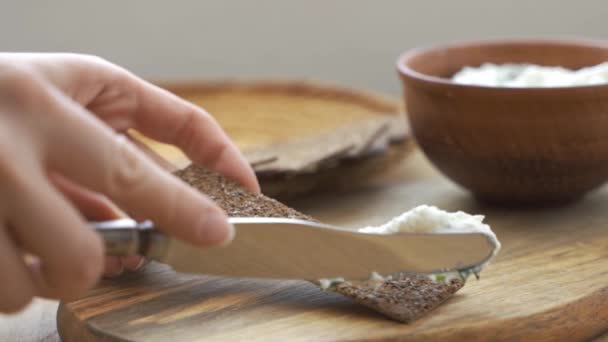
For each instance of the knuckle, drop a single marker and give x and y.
(101, 64)
(189, 139)
(185, 131)
(16, 170)
(11, 175)
(18, 85)
(81, 59)
(94, 59)
(96, 65)
(127, 169)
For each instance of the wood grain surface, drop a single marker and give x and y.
(549, 283)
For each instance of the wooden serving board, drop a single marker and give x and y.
(550, 282)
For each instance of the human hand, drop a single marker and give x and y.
(61, 160)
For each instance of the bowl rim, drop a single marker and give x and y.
(406, 71)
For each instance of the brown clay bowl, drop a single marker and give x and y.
(510, 145)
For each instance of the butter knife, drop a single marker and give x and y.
(284, 248)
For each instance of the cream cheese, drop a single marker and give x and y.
(530, 75)
(429, 219)
(327, 283)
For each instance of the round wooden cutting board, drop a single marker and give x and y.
(550, 282)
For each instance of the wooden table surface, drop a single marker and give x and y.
(38, 323)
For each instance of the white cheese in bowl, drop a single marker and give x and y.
(428, 219)
(530, 75)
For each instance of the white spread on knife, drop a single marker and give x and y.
(530, 75)
(428, 219)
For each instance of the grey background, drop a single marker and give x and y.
(353, 42)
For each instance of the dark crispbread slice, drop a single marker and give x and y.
(308, 154)
(404, 298)
(236, 201)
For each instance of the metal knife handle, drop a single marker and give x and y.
(125, 237)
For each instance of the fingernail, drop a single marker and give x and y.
(215, 229)
(140, 264)
(133, 263)
(230, 237)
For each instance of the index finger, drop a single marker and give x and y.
(107, 163)
(164, 116)
(126, 101)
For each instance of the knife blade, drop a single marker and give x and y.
(284, 248)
